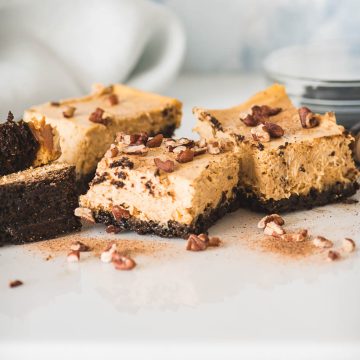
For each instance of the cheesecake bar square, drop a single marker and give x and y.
(168, 187)
(87, 125)
(38, 204)
(289, 158)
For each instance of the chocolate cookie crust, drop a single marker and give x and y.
(173, 228)
(18, 146)
(314, 198)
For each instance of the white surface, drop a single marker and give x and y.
(218, 304)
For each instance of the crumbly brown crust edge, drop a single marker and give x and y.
(333, 194)
(173, 228)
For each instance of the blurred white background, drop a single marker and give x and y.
(228, 35)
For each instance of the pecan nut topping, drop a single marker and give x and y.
(155, 142)
(167, 165)
(196, 243)
(119, 213)
(307, 118)
(185, 156)
(273, 229)
(214, 148)
(259, 114)
(135, 149)
(122, 262)
(113, 99)
(69, 112)
(260, 133)
(98, 117)
(275, 130)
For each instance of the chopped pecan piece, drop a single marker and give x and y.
(98, 117)
(197, 243)
(214, 148)
(85, 214)
(69, 112)
(348, 245)
(155, 141)
(113, 99)
(15, 283)
(333, 255)
(261, 113)
(274, 130)
(322, 242)
(214, 241)
(199, 150)
(79, 246)
(73, 256)
(106, 255)
(122, 262)
(260, 133)
(185, 156)
(55, 103)
(308, 118)
(250, 120)
(120, 213)
(273, 229)
(273, 217)
(135, 150)
(112, 152)
(179, 149)
(167, 165)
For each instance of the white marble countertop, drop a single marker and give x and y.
(224, 303)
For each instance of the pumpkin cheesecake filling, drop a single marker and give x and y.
(304, 167)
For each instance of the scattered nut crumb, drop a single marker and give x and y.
(122, 262)
(79, 246)
(73, 256)
(15, 283)
(333, 255)
(322, 242)
(348, 245)
(69, 112)
(273, 229)
(273, 217)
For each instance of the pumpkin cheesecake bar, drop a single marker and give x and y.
(87, 125)
(289, 158)
(26, 144)
(168, 187)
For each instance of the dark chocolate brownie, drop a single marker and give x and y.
(18, 146)
(37, 204)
